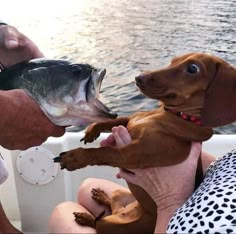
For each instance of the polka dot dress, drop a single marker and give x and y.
(212, 208)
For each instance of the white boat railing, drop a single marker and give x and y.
(36, 185)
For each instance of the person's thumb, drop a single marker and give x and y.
(195, 151)
(10, 38)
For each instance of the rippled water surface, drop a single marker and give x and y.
(127, 37)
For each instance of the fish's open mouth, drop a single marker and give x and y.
(93, 91)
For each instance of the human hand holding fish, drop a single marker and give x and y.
(15, 47)
(23, 124)
(67, 93)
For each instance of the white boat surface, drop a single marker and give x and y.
(36, 185)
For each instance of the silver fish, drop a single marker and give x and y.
(67, 93)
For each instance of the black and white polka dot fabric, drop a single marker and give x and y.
(212, 208)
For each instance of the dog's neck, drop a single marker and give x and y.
(185, 116)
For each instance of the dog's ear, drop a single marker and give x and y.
(220, 99)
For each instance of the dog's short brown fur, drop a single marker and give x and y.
(159, 137)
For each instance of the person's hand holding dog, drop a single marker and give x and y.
(169, 187)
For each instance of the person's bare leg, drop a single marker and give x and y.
(85, 196)
(62, 219)
(5, 224)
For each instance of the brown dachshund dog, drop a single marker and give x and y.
(191, 90)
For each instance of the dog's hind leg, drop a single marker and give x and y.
(101, 197)
(88, 220)
(84, 219)
(120, 199)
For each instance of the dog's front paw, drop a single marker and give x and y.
(71, 160)
(84, 219)
(91, 133)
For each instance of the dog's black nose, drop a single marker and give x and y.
(139, 80)
(143, 78)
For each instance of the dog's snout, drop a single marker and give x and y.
(141, 79)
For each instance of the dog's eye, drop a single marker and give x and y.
(193, 68)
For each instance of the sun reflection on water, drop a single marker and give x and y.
(44, 20)
(126, 37)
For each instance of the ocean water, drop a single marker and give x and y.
(127, 37)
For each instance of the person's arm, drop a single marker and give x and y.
(5, 224)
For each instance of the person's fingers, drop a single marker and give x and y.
(103, 143)
(121, 135)
(110, 141)
(195, 151)
(4, 34)
(118, 139)
(35, 52)
(11, 37)
(11, 43)
(124, 134)
(58, 131)
(129, 176)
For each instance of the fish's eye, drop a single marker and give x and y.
(193, 68)
(76, 69)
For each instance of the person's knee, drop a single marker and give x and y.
(62, 219)
(84, 193)
(58, 216)
(85, 189)
(63, 208)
